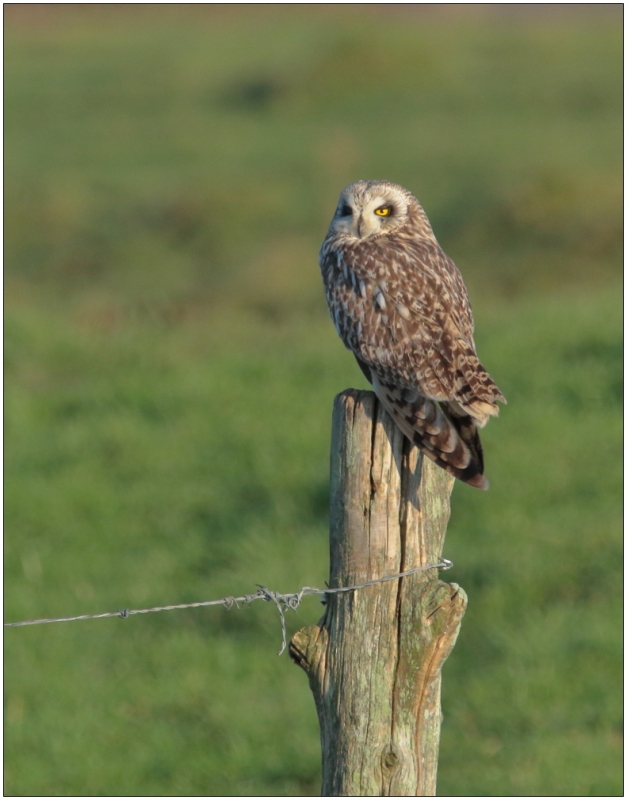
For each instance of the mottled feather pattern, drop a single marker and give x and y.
(400, 305)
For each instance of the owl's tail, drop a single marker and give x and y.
(442, 431)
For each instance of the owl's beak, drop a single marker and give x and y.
(364, 227)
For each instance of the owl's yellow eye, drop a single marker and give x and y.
(384, 211)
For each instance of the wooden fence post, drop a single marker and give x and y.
(374, 659)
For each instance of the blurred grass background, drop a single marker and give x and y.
(170, 172)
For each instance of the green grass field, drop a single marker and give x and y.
(170, 368)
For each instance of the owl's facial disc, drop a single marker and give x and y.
(370, 209)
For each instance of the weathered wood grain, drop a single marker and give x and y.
(374, 659)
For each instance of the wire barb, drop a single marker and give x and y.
(282, 601)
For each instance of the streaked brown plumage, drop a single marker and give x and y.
(400, 305)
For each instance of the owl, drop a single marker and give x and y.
(400, 304)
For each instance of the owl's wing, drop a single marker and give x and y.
(445, 436)
(431, 326)
(449, 439)
(428, 283)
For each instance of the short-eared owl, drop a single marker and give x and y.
(400, 304)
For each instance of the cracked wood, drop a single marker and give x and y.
(374, 660)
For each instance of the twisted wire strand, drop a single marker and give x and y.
(282, 601)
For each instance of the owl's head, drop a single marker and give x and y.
(373, 208)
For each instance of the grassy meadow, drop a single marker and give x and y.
(170, 172)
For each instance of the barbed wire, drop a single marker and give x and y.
(282, 601)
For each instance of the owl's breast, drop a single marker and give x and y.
(359, 293)
(346, 304)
